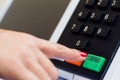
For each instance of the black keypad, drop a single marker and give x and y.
(103, 3)
(110, 18)
(90, 3)
(94, 28)
(103, 32)
(83, 15)
(115, 5)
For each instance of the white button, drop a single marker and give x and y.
(76, 77)
(65, 74)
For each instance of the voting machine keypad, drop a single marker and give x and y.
(94, 28)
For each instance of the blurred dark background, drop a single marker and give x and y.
(37, 17)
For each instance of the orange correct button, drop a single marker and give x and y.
(74, 63)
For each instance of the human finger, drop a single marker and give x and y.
(54, 50)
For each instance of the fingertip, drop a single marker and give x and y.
(80, 56)
(83, 54)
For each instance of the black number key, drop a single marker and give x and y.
(102, 3)
(103, 32)
(90, 3)
(110, 18)
(115, 5)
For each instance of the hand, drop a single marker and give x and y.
(25, 57)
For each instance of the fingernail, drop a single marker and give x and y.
(83, 54)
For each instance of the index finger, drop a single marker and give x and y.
(54, 50)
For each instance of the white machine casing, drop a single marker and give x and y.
(4, 6)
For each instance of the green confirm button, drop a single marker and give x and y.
(94, 63)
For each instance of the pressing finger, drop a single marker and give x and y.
(54, 50)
